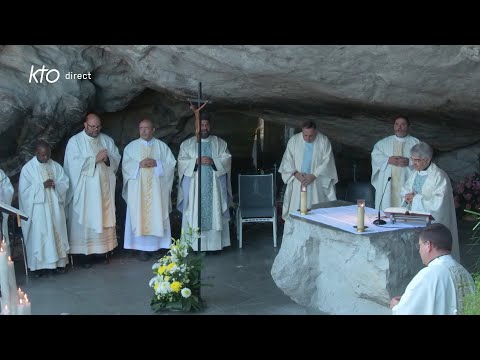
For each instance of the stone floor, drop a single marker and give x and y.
(240, 281)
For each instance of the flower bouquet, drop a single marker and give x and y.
(176, 283)
(466, 194)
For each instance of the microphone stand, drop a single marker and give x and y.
(380, 221)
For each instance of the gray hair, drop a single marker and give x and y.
(422, 150)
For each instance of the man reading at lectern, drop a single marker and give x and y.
(390, 158)
(308, 161)
(216, 189)
(428, 190)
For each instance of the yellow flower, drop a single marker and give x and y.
(170, 266)
(176, 286)
(161, 269)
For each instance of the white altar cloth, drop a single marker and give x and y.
(345, 218)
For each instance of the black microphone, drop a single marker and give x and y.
(380, 221)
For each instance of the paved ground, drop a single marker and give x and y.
(240, 279)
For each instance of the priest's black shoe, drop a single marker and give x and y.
(144, 256)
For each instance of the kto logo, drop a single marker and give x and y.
(51, 75)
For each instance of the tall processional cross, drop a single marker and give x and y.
(196, 110)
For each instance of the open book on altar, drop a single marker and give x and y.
(405, 211)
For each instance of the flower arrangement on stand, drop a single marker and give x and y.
(176, 283)
(466, 194)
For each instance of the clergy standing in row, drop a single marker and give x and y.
(428, 189)
(42, 190)
(91, 162)
(308, 161)
(6, 196)
(148, 168)
(216, 191)
(390, 158)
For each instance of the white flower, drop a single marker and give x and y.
(156, 265)
(164, 287)
(186, 292)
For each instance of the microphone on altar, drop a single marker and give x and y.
(380, 221)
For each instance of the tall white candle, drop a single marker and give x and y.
(361, 215)
(5, 310)
(303, 200)
(27, 310)
(21, 307)
(12, 283)
(5, 246)
(4, 278)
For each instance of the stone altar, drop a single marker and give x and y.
(339, 272)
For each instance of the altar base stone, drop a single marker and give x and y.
(338, 272)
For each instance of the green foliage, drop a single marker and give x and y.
(471, 305)
(177, 282)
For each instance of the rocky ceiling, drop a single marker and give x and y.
(350, 91)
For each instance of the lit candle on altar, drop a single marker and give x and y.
(12, 283)
(360, 215)
(21, 294)
(303, 200)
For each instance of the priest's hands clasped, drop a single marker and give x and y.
(49, 184)
(206, 160)
(398, 161)
(101, 156)
(148, 163)
(409, 197)
(304, 179)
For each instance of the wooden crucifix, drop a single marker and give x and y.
(196, 110)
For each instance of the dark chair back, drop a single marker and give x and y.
(361, 190)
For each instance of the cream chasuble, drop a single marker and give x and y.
(436, 198)
(438, 289)
(91, 198)
(322, 166)
(45, 233)
(147, 192)
(381, 170)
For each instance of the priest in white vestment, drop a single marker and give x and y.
(6, 196)
(91, 162)
(148, 168)
(216, 190)
(440, 287)
(42, 191)
(391, 158)
(308, 160)
(428, 189)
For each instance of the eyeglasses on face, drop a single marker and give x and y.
(418, 244)
(93, 127)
